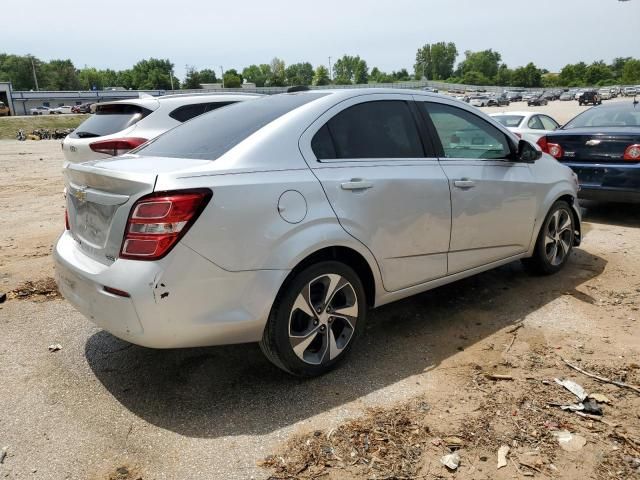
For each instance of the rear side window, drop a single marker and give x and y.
(187, 112)
(110, 119)
(548, 123)
(380, 129)
(211, 135)
(535, 123)
(512, 121)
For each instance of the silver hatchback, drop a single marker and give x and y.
(284, 219)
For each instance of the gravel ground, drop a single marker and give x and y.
(100, 404)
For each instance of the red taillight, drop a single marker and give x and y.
(555, 150)
(632, 153)
(115, 291)
(66, 219)
(552, 149)
(542, 143)
(117, 146)
(159, 220)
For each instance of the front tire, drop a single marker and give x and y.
(554, 243)
(315, 320)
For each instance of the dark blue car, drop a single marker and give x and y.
(602, 145)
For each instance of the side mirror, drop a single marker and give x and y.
(527, 153)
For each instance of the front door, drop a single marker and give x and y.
(386, 190)
(493, 198)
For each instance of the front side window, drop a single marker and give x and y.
(465, 135)
(378, 129)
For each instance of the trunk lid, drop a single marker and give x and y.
(582, 145)
(100, 195)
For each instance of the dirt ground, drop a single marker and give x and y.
(100, 408)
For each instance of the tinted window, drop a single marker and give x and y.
(110, 119)
(322, 144)
(508, 120)
(187, 112)
(548, 122)
(618, 116)
(380, 129)
(535, 123)
(465, 135)
(211, 135)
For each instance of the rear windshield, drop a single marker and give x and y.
(211, 135)
(623, 116)
(110, 119)
(508, 120)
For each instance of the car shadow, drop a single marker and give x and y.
(234, 390)
(619, 214)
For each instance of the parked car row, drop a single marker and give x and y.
(277, 219)
(62, 109)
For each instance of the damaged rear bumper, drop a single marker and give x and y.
(182, 300)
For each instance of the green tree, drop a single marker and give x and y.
(192, 79)
(528, 76)
(473, 77)
(232, 79)
(485, 62)
(17, 70)
(617, 66)
(321, 76)
(259, 75)
(435, 61)
(631, 72)
(152, 74)
(598, 73)
(278, 75)
(299, 74)
(504, 75)
(349, 70)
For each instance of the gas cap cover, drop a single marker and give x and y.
(292, 206)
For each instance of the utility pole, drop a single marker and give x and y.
(35, 78)
(171, 78)
(330, 72)
(222, 75)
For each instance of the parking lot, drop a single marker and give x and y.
(100, 408)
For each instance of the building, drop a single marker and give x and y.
(6, 96)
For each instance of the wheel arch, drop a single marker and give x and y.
(349, 257)
(571, 199)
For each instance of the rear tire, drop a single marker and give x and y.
(555, 241)
(316, 318)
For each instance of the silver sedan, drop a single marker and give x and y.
(284, 219)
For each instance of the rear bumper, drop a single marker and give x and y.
(181, 301)
(608, 182)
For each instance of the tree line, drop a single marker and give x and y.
(435, 61)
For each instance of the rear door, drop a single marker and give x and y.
(493, 198)
(385, 186)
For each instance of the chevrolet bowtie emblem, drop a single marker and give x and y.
(593, 143)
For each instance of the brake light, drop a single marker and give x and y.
(552, 149)
(542, 143)
(117, 146)
(632, 153)
(159, 220)
(66, 219)
(555, 150)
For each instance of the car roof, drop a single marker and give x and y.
(519, 113)
(182, 98)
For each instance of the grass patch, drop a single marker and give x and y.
(9, 126)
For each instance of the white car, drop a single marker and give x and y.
(629, 91)
(282, 220)
(40, 111)
(605, 93)
(479, 101)
(120, 126)
(61, 109)
(529, 126)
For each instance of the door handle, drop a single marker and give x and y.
(464, 183)
(356, 184)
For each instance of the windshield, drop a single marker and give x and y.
(211, 135)
(623, 116)
(509, 120)
(110, 119)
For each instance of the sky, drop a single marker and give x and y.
(234, 34)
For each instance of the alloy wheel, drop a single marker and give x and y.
(323, 319)
(558, 236)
